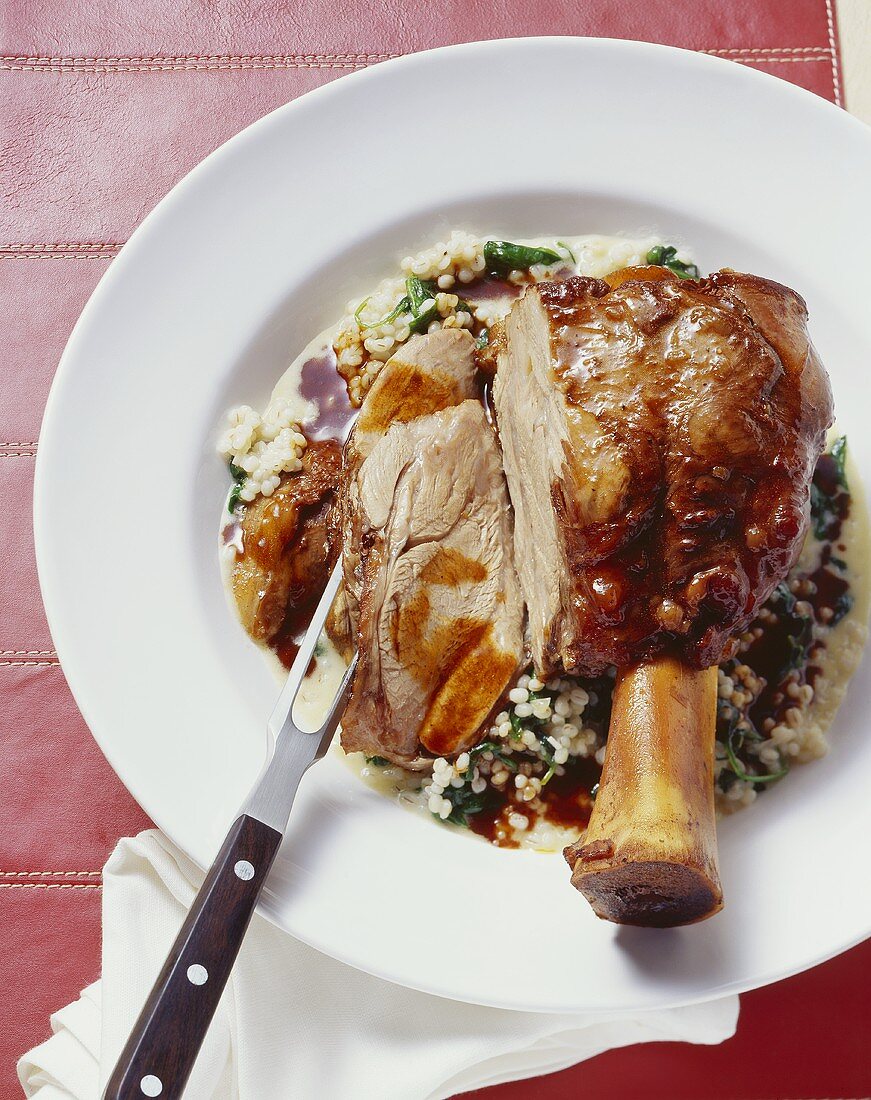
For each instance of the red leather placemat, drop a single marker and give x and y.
(104, 106)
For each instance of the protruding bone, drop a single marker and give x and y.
(649, 855)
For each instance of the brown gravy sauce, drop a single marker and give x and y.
(566, 800)
(488, 289)
(289, 638)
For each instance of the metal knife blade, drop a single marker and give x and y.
(292, 750)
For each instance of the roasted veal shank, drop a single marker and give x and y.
(659, 437)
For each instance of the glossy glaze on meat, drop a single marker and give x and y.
(659, 440)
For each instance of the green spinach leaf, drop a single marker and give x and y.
(402, 306)
(662, 255)
(466, 803)
(238, 475)
(503, 257)
(420, 291)
(838, 452)
(489, 746)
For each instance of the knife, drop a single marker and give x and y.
(163, 1046)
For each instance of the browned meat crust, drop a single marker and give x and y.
(659, 441)
(285, 538)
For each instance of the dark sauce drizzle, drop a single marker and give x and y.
(566, 801)
(322, 384)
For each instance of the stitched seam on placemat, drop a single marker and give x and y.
(30, 664)
(27, 653)
(50, 886)
(768, 49)
(50, 874)
(834, 48)
(773, 60)
(217, 62)
(168, 58)
(147, 59)
(62, 252)
(161, 62)
(14, 248)
(188, 66)
(70, 254)
(778, 60)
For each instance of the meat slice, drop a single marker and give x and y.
(440, 614)
(428, 373)
(283, 565)
(659, 439)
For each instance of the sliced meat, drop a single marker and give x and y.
(283, 565)
(659, 438)
(440, 613)
(426, 374)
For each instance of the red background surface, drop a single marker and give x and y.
(104, 106)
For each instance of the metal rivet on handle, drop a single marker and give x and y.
(151, 1085)
(244, 870)
(197, 974)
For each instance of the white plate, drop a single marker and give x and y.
(256, 251)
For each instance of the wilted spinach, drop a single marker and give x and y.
(238, 475)
(662, 255)
(503, 257)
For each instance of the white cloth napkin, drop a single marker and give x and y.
(295, 1024)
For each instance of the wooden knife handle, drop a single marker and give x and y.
(167, 1037)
